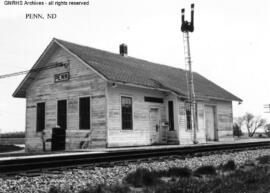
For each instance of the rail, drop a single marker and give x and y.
(16, 166)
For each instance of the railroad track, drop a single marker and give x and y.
(33, 166)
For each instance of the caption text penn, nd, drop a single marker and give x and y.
(44, 3)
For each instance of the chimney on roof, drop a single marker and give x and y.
(123, 50)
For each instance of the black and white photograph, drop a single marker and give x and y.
(132, 96)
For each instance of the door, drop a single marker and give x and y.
(59, 133)
(155, 125)
(210, 130)
(58, 139)
(62, 114)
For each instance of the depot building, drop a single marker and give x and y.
(101, 100)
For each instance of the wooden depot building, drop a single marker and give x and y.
(101, 99)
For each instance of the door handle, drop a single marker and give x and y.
(157, 127)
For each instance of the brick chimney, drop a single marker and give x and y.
(123, 50)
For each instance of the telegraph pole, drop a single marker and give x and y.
(186, 28)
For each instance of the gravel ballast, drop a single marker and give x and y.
(77, 179)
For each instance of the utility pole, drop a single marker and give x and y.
(49, 66)
(186, 28)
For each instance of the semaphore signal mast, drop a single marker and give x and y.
(186, 28)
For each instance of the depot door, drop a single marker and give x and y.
(59, 133)
(210, 129)
(58, 139)
(155, 125)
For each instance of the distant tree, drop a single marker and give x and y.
(267, 129)
(252, 123)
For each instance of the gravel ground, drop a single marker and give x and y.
(77, 179)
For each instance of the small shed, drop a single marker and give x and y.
(102, 99)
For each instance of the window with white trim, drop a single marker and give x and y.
(171, 115)
(126, 108)
(84, 113)
(188, 116)
(40, 122)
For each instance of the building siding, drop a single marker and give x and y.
(223, 119)
(140, 135)
(106, 126)
(83, 82)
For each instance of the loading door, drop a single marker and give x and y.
(210, 130)
(59, 133)
(155, 125)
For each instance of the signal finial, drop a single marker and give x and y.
(188, 26)
(183, 15)
(192, 18)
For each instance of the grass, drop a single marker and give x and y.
(9, 148)
(179, 172)
(205, 170)
(229, 166)
(94, 189)
(106, 189)
(251, 181)
(256, 179)
(264, 159)
(142, 177)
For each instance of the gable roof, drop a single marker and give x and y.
(116, 68)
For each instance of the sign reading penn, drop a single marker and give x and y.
(61, 77)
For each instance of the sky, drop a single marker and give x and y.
(229, 46)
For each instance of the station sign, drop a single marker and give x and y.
(61, 77)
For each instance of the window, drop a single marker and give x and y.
(153, 99)
(171, 116)
(188, 116)
(126, 106)
(62, 114)
(40, 117)
(84, 113)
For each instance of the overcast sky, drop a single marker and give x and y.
(230, 44)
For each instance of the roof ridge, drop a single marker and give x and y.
(132, 60)
(114, 67)
(126, 57)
